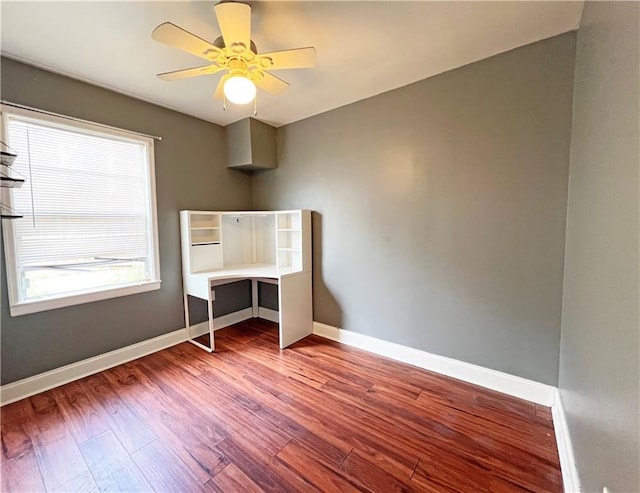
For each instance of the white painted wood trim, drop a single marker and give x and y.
(54, 378)
(565, 449)
(232, 318)
(491, 379)
(501, 382)
(222, 322)
(17, 307)
(267, 314)
(27, 307)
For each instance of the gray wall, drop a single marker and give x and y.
(599, 369)
(229, 298)
(190, 174)
(268, 296)
(441, 209)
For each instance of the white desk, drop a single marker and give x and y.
(261, 246)
(294, 311)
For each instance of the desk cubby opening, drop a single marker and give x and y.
(289, 239)
(289, 221)
(289, 257)
(204, 221)
(205, 236)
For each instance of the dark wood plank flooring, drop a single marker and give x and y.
(316, 417)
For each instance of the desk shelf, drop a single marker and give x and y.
(289, 239)
(204, 220)
(199, 235)
(289, 221)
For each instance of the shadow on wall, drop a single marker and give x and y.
(230, 298)
(323, 300)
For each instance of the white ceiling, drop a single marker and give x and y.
(364, 48)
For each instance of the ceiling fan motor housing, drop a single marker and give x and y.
(219, 43)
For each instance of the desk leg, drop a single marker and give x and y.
(210, 310)
(188, 325)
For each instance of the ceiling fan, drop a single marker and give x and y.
(234, 53)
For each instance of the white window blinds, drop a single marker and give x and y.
(90, 224)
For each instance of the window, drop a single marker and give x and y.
(89, 226)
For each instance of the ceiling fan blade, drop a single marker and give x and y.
(219, 94)
(271, 84)
(234, 19)
(177, 37)
(190, 72)
(297, 58)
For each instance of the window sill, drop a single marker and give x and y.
(27, 307)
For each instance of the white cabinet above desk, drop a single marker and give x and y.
(270, 246)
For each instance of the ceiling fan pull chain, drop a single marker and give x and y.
(224, 102)
(255, 105)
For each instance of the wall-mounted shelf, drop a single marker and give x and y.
(11, 182)
(7, 157)
(8, 180)
(7, 212)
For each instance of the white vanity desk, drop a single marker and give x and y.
(265, 246)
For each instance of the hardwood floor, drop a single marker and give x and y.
(316, 417)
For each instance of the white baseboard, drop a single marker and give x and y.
(221, 322)
(44, 381)
(267, 314)
(232, 318)
(199, 329)
(539, 393)
(54, 378)
(565, 450)
(495, 380)
(522, 388)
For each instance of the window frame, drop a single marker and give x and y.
(20, 307)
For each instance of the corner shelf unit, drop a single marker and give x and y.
(225, 240)
(268, 246)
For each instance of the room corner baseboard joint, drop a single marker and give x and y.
(568, 466)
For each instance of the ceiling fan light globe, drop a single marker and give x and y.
(239, 90)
